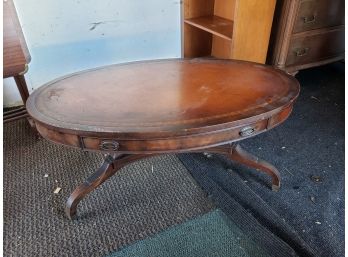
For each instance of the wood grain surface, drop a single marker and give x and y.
(213, 24)
(16, 54)
(231, 29)
(174, 96)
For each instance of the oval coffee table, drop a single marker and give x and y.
(136, 110)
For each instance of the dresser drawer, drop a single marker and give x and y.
(315, 14)
(315, 46)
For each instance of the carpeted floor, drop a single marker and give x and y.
(212, 235)
(142, 199)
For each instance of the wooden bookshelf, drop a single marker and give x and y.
(213, 24)
(228, 29)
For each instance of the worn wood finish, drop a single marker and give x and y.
(110, 166)
(319, 14)
(22, 87)
(236, 153)
(241, 156)
(315, 45)
(187, 97)
(213, 24)
(144, 108)
(239, 29)
(15, 56)
(307, 34)
(115, 162)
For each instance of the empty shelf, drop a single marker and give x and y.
(213, 24)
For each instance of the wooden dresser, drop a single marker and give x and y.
(306, 33)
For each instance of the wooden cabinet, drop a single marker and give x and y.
(229, 29)
(307, 33)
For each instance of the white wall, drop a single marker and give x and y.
(66, 36)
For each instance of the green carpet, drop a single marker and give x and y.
(211, 234)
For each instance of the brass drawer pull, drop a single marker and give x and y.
(301, 51)
(109, 145)
(247, 131)
(310, 19)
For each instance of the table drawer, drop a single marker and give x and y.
(178, 143)
(316, 46)
(315, 14)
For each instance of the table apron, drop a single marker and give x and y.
(181, 143)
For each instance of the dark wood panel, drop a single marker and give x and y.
(304, 35)
(162, 145)
(315, 14)
(197, 42)
(184, 143)
(15, 51)
(318, 45)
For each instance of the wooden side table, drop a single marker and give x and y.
(136, 110)
(16, 58)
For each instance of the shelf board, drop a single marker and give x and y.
(213, 24)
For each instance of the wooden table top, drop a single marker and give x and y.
(16, 54)
(177, 96)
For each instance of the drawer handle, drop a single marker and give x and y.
(109, 145)
(310, 19)
(247, 131)
(301, 51)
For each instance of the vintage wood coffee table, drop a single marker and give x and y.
(136, 110)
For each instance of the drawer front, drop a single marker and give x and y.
(176, 144)
(315, 14)
(315, 47)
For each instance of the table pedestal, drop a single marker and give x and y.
(114, 162)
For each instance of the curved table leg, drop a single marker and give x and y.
(236, 153)
(109, 167)
(113, 163)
